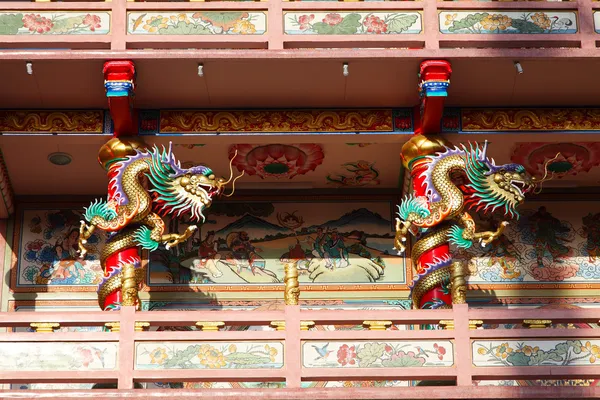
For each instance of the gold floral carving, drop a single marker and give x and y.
(537, 323)
(276, 121)
(52, 121)
(278, 325)
(45, 327)
(537, 119)
(377, 325)
(210, 325)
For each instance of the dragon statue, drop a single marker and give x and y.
(438, 214)
(131, 215)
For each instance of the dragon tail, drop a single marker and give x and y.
(143, 237)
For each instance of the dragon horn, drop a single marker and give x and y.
(484, 150)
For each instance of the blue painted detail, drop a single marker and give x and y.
(118, 89)
(434, 89)
(109, 126)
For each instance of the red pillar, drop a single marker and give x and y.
(435, 79)
(119, 82)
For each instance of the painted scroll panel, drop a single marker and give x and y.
(57, 356)
(352, 23)
(501, 22)
(46, 258)
(247, 244)
(552, 243)
(523, 353)
(209, 355)
(197, 23)
(362, 354)
(54, 23)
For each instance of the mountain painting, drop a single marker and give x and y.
(249, 243)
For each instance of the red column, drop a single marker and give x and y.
(434, 80)
(119, 82)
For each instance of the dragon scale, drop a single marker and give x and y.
(437, 210)
(130, 215)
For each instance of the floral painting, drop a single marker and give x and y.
(393, 354)
(58, 356)
(358, 173)
(48, 251)
(352, 23)
(211, 355)
(551, 242)
(54, 23)
(251, 242)
(499, 22)
(197, 23)
(537, 352)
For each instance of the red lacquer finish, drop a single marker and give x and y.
(432, 107)
(121, 110)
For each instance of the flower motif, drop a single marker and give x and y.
(528, 350)
(37, 23)
(482, 350)
(403, 123)
(277, 160)
(450, 18)
(541, 20)
(304, 21)
(155, 23)
(211, 357)
(86, 356)
(244, 27)
(375, 24)
(496, 22)
(92, 21)
(180, 18)
(36, 245)
(232, 348)
(439, 350)
(272, 352)
(158, 356)
(388, 348)
(592, 349)
(332, 19)
(347, 355)
(503, 350)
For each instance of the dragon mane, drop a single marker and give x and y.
(164, 168)
(478, 169)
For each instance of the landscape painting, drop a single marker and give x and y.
(553, 242)
(249, 243)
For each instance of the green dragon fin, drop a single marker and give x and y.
(99, 208)
(142, 237)
(456, 237)
(411, 205)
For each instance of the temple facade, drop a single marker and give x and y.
(299, 199)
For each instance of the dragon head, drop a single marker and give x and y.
(180, 190)
(498, 186)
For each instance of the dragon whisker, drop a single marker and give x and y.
(233, 185)
(231, 168)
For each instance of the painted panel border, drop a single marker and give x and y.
(59, 122)
(222, 262)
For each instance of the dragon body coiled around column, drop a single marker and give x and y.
(131, 214)
(441, 217)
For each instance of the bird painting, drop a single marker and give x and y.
(323, 352)
(421, 352)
